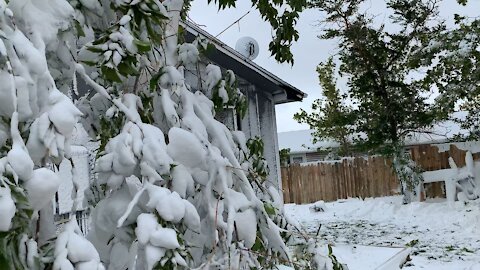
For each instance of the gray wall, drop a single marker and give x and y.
(260, 121)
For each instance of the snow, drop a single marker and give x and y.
(168, 204)
(440, 132)
(214, 75)
(75, 181)
(168, 107)
(153, 254)
(178, 171)
(63, 114)
(171, 77)
(366, 257)
(182, 181)
(124, 20)
(192, 156)
(156, 239)
(164, 238)
(18, 157)
(146, 224)
(73, 251)
(318, 207)
(473, 146)
(7, 209)
(188, 54)
(443, 235)
(222, 92)
(43, 17)
(246, 224)
(42, 187)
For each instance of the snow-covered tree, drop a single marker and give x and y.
(384, 63)
(176, 189)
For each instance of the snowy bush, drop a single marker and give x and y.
(176, 189)
(408, 172)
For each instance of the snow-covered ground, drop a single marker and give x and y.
(442, 235)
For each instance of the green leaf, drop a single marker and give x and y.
(90, 63)
(78, 28)
(154, 80)
(258, 244)
(110, 74)
(127, 69)
(143, 46)
(269, 209)
(412, 243)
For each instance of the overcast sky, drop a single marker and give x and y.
(308, 52)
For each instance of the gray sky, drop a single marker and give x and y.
(308, 52)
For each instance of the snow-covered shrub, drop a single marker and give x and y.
(408, 173)
(176, 189)
(37, 121)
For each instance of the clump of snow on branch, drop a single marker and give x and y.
(73, 251)
(173, 182)
(37, 123)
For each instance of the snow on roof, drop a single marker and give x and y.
(300, 141)
(440, 132)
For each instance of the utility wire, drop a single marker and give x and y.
(238, 20)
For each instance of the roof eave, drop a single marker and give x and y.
(247, 68)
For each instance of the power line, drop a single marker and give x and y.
(238, 20)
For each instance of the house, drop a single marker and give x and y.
(302, 148)
(262, 89)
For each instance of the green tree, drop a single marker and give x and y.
(330, 118)
(379, 63)
(384, 64)
(457, 73)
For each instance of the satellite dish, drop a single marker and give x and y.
(248, 47)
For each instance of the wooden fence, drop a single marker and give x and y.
(329, 181)
(361, 177)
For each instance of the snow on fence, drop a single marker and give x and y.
(364, 177)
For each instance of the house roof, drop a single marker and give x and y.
(440, 132)
(300, 141)
(228, 58)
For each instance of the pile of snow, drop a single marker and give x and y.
(318, 207)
